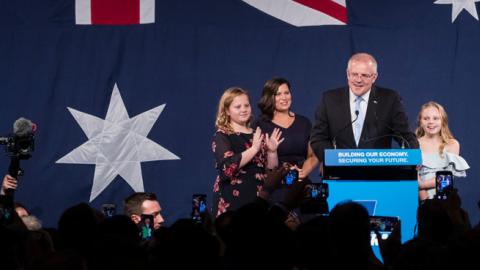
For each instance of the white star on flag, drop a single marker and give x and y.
(117, 144)
(459, 5)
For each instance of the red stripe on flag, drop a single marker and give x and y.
(328, 7)
(115, 11)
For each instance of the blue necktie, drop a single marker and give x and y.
(358, 125)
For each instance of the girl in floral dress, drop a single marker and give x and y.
(242, 155)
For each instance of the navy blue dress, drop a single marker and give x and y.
(294, 148)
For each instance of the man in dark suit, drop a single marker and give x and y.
(361, 115)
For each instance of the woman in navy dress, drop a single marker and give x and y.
(242, 155)
(275, 106)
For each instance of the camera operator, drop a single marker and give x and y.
(10, 212)
(10, 183)
(19, 145)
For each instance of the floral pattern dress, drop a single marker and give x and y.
(234, 186)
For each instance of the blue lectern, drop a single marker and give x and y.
(383, 180)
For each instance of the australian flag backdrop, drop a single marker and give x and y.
(125, 96)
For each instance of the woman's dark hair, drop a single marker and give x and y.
(267, 101)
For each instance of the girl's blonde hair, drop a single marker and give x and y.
(223, 119)
(445, 133)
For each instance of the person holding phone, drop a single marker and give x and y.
(242, 154)
(440, 150)
(275, 106)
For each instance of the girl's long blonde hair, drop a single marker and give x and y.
(223, 119)
(445, 133)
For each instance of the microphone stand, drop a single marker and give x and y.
(334, 139)
(404, 141)
(395, 134)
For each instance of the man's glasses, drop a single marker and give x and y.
(362, 76)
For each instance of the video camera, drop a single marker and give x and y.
(21, 143)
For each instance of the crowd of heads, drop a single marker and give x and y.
(252, 237)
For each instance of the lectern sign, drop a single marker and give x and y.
(372, 157)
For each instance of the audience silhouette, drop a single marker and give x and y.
(257, 235)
